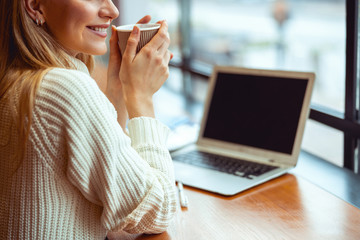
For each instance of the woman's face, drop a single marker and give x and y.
(80, 25)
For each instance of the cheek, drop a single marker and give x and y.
(58, 23)
(69, 24)
(69, 19)
(81, 17)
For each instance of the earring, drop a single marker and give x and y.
(39, 22)
(39, 19)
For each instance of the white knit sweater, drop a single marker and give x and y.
(82, 175)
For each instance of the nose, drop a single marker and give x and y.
(109, 10)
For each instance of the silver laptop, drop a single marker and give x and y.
(251, 130)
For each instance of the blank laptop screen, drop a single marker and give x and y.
(257, 111)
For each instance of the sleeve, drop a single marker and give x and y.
(131, 177)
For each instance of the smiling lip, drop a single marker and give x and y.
(99, 30)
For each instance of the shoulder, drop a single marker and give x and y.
(71, 89)
(68, 79)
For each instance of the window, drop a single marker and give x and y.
(286, 35)
(302, 35)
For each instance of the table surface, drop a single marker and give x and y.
(288, 207)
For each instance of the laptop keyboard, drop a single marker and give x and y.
(229, 165)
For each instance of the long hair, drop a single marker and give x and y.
(27, 53)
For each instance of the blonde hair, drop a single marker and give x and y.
(28, 52)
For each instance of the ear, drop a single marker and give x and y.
(32, 7)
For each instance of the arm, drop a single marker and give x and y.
(113, 88)
(114, 91)
(131, 178)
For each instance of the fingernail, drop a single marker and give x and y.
(135, 30)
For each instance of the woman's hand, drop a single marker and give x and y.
(113, 87)
(144, 73)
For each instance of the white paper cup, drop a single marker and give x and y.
(147, 32)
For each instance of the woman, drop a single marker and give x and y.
(69, 168)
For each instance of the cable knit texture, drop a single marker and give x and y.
(82, 175)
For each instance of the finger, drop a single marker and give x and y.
(171, 55)
(115, 55)
(132, 43)
(164, 47)
(160, 22)
(168, 56)
(145, 19)
(166, 60)
(162, 35)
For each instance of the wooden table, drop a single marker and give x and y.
(288, 207)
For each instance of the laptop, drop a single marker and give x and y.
(251, 130)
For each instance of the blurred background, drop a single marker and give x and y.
(296, 35)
